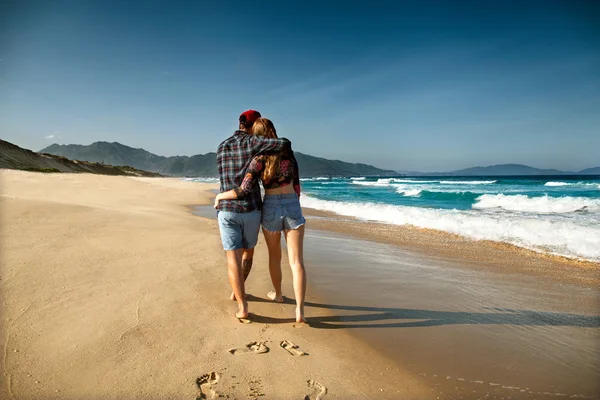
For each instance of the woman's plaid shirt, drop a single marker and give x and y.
(233, 157)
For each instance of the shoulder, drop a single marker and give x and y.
(224, 143)
(230, 140)
(287, 153)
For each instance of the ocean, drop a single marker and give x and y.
(558, 214)
(551, 214)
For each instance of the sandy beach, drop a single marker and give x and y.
(111, 288)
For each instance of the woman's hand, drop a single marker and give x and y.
(217, 199)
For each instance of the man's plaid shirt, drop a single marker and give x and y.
(233, 157)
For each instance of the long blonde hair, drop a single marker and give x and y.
(264, 127)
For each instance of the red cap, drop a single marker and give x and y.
(249, 116)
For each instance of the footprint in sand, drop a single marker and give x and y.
(292, 348)
(252, 347)
(318, 391)
(205, 384)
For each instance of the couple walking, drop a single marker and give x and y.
(254, 153)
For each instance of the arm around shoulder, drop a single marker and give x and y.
(263, 144)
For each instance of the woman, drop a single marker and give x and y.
(281, 212)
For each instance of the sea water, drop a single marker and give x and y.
(557, 215)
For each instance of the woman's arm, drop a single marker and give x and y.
(253, 173)
(230, 195)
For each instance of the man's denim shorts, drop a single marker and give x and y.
(239, 230)
(282, 212)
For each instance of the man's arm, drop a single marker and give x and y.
(262, 145)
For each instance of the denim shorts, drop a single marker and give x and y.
(239, 230)
(282, 212)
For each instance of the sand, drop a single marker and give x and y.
(111, 288)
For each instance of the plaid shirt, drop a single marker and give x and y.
(233, 157)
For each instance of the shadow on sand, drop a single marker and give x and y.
(376, 317)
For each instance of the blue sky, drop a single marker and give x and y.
(422, 85)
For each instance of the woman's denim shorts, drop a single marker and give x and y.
(282, 212)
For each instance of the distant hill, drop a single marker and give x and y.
(198, 165)
(505, 170)
(508, 169)
(15, 157)
(590, 171)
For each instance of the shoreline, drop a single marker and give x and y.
(500, 256)
(452, 237)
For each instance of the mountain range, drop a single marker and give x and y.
(198, 165)
(15, 157)
(204, 164)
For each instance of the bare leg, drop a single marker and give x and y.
(236, 280)
(295, 245)
(273, 240)
(247, 259)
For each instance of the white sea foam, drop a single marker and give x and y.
(360, 178)
(467, 182)
(412, 181)
(541, 204)
(558, 184)
(369, 183)
(398, 180)
(318, 178)
(409, 192)
(578, 236)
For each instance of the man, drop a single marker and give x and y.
(239, 220)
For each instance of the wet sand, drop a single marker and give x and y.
(467, 333)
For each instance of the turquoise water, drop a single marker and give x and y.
(450, 193)
(557, 214)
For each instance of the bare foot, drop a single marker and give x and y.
(300, 315)
(273, 296)
(242, 311)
